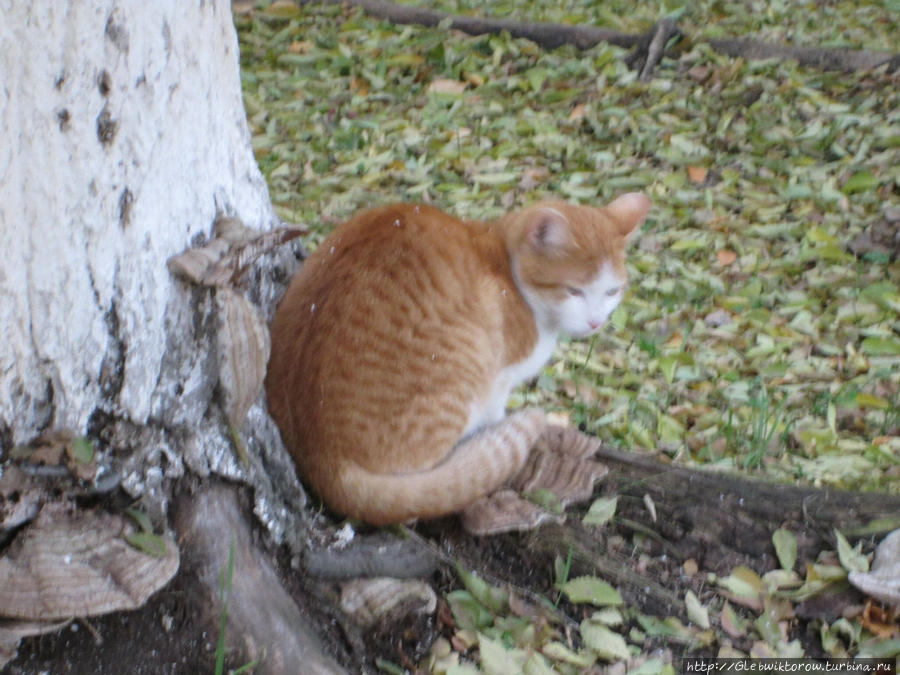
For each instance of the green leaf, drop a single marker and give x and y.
(468, 613)
(864, 400)
(82, 450)
(493, 598)
(536, 665)
(785, 548)
(667, 365)
(670, 627)
(743, 581)
(601, 511)
(861, 181)
(851, 558)
(536, 78)
(608, 644)
(141, 518)
(767, 627)
(696, 612)
(560, 652)
(147, 542)
(496, 659)
(879, 648)
(544, 498)
(608, 616)
(879, 346)
(591, 590)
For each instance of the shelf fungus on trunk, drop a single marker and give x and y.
(559, 472)
(242, 337)
(72, 564)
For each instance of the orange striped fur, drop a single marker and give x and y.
(397, 344)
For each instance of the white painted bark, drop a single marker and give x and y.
(123, 132)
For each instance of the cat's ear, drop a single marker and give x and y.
(547, 229)
(629, 211)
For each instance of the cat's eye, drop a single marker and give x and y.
(572, 290)
(613, 291)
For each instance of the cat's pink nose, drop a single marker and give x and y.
(594, 324)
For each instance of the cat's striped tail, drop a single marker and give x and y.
(477, 466)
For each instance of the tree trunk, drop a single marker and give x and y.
(124, 138)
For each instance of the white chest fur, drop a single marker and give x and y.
(494, 408)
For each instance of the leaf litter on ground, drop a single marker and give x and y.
(753, 336)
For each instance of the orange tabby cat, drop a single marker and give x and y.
(397, 345)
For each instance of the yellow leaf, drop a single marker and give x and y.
(579, 112)
(474, 79)
(443, 85)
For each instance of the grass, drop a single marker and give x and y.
(740, 278)
(224, 597)
(751, 337)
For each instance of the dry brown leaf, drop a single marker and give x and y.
(699, 73)
(726, 257)
(532, 177)
(880, 621)
(579, 112)
(360, 86)
(300, 46)
(727, 618)
(697, 174)
(222, 260)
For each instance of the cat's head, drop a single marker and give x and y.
(569, 260)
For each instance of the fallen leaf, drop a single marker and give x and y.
(608, 644)
(882, 582)
(731, 622)
(785, 548)
(696, 612)
(300, 46)
(474, 79)
(852, 559)
(591, 590)
(578, 113)
(697, 174)
(601, 511)
(443, 85)
(726, 257)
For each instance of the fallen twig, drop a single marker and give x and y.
(552, 35)
(662, 32)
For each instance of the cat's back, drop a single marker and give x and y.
(388, 266)
(394, 244)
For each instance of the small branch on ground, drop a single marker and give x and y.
(662, 32)
(547, 35)
(649, 46)
(811, 57)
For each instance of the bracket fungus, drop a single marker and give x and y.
(73, 564)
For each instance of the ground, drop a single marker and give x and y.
(759, 335)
